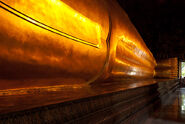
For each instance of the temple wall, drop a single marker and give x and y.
(167, 68)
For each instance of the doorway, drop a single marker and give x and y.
(182, 69)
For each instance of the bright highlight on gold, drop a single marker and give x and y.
(44, 26)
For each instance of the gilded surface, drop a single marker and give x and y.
(84, 41)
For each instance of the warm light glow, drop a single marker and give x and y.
(134, 48)
(51, 39)
(129, 69)
(81, 23)
(82, 41)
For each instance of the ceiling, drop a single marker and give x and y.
(161, 23)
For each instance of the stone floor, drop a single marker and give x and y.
(171, 111)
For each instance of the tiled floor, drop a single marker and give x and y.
(171, 111)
